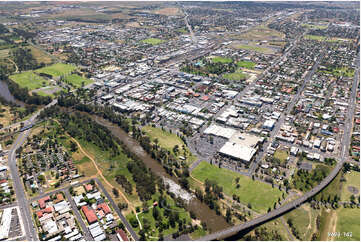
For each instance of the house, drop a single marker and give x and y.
(42, 201)
(88, 187)
(122, 236)
(104, 207)
(89, 214)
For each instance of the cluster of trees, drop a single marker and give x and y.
(212, 194)
(209, 68)
(123, 181)
(24, 59)
(263, 234)
(304, 180)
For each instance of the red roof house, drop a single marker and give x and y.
(88, 187)
(122, 235)
(104, 207)
(89, 214)
(42, 201)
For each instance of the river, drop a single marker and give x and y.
(5, 93)
(203, 212)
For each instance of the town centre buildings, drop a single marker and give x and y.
(239, 146)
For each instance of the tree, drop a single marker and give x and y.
(115, 192)
(228, 215)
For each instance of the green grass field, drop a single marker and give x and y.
(168, 140)
(315, 37)
(303, 219)
(341, 71)
(352, 179)
(236, 76)
(255, 48)
(57, 70)
(348, 220)
(223, 60)
(260, 195)
(29, 80)
(281, 155)
(313, 26)
(153, 41)
(77, 80)
(246, 64)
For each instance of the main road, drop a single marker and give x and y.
(296, 203)
(30, 230)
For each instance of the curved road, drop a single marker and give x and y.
(23, 203)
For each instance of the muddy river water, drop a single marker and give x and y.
(203, 212)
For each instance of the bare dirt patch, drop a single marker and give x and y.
(168, 11)
(353, 189)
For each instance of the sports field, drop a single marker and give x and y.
(260, 195)
(315, 37)
(56, 70)
(153, 41)
(246, 64)
(223, 60)
(77, 81)
(256, 48)
(29, 80)
(236, 76)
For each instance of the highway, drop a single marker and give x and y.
(289, 206)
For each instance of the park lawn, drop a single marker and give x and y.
(256, 48)
(183, 214)
(77, 81)
(348, 220)
(58, 69)
(153, 41)
(314, 26)
(264, 197)
(315, 37)
(29, 80)
(344, 71)
(223, 60)
(168, 140)
(301, 220)
(246, 64)
(352, 179)
(281, 155)
(111, 167)
(235, 76)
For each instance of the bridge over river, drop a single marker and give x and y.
(226, 233)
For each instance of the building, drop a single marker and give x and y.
(241, 146)
(89, 214)
(269, 124)
(121, 235)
